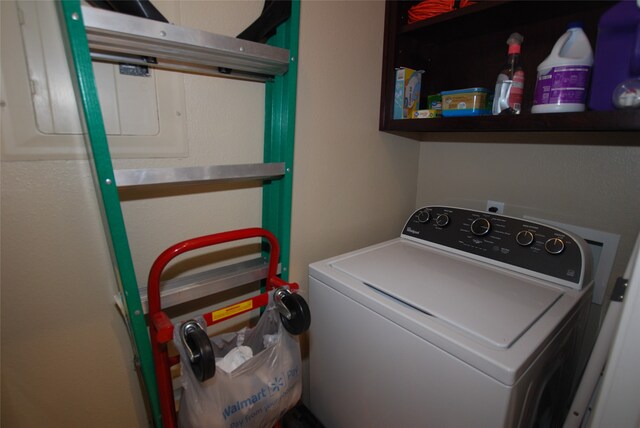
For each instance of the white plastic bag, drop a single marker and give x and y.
(257, 393)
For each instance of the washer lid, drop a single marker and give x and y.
(483, 301)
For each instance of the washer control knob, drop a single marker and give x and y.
(525, 238)
(480, 226)
(554, 246)
(423, 216)
(442, 220)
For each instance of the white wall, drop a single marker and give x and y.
(66, 357)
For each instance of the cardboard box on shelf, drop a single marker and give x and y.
(407, 92)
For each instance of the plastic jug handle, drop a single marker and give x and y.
(562, 41)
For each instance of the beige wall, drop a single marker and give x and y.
(66, 357)
(353, 185)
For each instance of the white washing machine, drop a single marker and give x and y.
(469, 319)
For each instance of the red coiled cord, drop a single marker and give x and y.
(430, 8)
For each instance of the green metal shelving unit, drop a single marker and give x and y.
(275, 63)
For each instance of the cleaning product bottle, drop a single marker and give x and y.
(510, 83)
(563, 77)
(616, 56)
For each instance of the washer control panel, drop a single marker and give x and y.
(523, 244)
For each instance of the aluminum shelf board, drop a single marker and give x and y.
(126, 178)
(116, 37)
(185, 289)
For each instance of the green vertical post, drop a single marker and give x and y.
(280, 111)
(81, 69)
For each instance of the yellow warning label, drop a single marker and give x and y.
(230, 311)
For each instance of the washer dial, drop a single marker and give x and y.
(480, 226)
(442, 220)
(554, 245)
(423, 216)
(525, 238)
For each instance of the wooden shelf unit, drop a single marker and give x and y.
(466, 48)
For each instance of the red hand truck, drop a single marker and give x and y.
(294, 314)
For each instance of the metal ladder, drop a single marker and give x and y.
(107, 36)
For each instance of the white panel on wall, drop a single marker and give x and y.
(137, 103)
(108, 94)
(144, 115)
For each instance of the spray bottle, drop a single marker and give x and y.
(510, 82)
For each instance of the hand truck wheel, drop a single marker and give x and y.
(294, 313)
(199, 350)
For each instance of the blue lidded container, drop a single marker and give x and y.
(466, 102)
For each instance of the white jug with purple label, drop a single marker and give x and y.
(563, 77)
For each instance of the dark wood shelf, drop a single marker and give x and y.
(625, 120)
(467, 47)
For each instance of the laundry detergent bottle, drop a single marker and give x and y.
(563, 77)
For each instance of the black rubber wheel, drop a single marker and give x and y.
(203, 363)
(300, 314)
